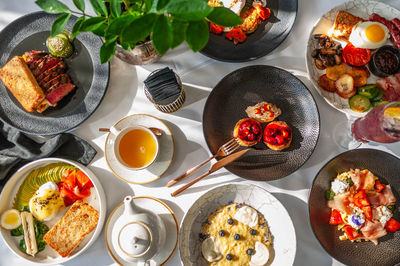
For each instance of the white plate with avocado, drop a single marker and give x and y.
(10, 200)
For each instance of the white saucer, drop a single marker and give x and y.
(159, 208)
(158, 167)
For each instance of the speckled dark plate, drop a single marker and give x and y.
(269, 35)
(90, 77)
(248, 86)
(387, 168)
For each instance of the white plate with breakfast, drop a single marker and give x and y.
(237, 224)
(123, 161)
(353, 56)
(51, 210)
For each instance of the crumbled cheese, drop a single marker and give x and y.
(383, 214)
(339, 186)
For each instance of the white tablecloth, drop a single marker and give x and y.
(200, 74)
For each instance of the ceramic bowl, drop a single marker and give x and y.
(97, 199)
(279, 222)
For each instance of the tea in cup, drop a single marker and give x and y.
(135, 147)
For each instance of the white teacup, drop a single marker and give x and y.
(121, 152)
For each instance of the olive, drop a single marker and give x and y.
(221, 233)
(230, 221)
(229, 257)
(253, 232)
(250, 251)
(236, 236)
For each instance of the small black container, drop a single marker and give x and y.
(385, 61)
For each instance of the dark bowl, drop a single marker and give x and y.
(387, 168)
(376, 68)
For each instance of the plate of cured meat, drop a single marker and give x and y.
(266, 24)
(271, 111)
(353, 56)
(45, 94)
(353, 207)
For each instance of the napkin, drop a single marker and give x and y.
(163, 86)
(16, 150)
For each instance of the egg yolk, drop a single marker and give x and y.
(11, 218)
(375, 33)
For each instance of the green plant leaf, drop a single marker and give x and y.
(117, 25)
(52, 6)
(161, 4)
(224, 17)
(191, 10)
(148, 4)
(92, 24)
(80, 4)
(100, 31)
(127, 46)
(115, 6)
(77, 26)
(197, 35)
(162, 34)
(107, 51)
(178, 32)
(138, 29)
(59, 24)
(99, 7)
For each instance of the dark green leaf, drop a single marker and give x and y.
(118, 24)
(77, 26)
(92, 24)
(392, 208)
(224, 17)
(52, 6)
(161, 4)
(115, 6)
(100, 31)
(99, 7)
(191, 10)
(80, 4)
(162, 34)
(139, 29)
(25, 209)
(127, 46)
(350, 181)
(19, 231)
(197, 35)
(329, 194)
(59, 24)
(107, 51)
(178, 33)
(148, 4)
(22, 245)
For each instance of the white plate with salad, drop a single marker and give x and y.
(36, 212)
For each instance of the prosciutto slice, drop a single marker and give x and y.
(372, 230)
(386, 197)
(362, 179)
(341, 203)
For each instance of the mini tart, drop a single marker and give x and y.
(263, 112)
(248, 132)
(277, 135)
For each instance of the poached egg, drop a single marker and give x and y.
(369, 35)
(46, 201)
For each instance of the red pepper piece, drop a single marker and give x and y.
(236, 34)
(217, 29)
(379, 186)
(263, 12)
(367, 211)
(336, 218)
(392, 225)
(350, 232)
(361, 199)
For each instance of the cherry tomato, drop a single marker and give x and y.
(336, 218)
(236, 34)
(214, 28)
(392, 225)
(350, 232)
(263, 12)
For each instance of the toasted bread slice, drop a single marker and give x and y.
(344, 24)
(72, 228)
(18, 78)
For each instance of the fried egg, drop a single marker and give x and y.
(234, 5)
(369, 35)
(46, 202)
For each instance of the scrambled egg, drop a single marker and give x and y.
(218, 221)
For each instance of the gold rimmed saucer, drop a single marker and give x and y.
(165, 213)
(158, 167)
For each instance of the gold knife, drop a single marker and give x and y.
(221, 163)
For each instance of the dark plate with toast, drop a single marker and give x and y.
(87, 73)
(248, 86)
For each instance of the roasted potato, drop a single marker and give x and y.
(360, 76)
(345, 86)
(334, 72)
(327, 84)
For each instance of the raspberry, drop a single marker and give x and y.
(279, 139)
(255, 129)
(251, 136)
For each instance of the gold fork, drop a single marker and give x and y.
(225, 149)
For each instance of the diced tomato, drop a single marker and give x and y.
(236, 34)
(361, 199)
(379, 186)
(350, 232)
(392, 225)
(356, 56)
(83, 180)
(68, 196)
(263, 12)
(70, 180)
(217, 29)
(336, 218)
(367, 211)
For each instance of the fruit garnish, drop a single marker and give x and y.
(257, 111)
(271, 114)
(266, 107)
(279, 139)
(10, 219)
(393, 112)
(251, 136)
(255, 129)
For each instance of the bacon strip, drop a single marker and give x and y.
(394, 31)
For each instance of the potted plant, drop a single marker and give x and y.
(126, 24)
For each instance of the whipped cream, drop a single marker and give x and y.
(211, 250)
(262, 255)
(339, 186)
(247, 216)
